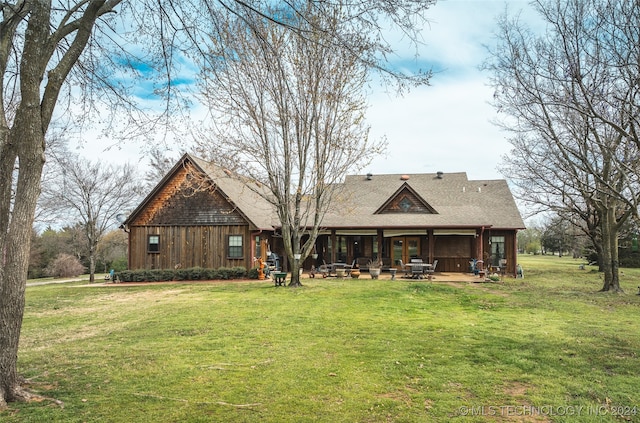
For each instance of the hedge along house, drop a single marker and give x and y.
(199, 215)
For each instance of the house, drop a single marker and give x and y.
(199, 215)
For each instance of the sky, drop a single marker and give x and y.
(445, 126)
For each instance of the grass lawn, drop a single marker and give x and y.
(337, 350)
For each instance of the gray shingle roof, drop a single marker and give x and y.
(457, 201)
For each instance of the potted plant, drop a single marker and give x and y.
(374, 269)
(355, 272)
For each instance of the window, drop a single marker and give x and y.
(405, 204)
(153, 243)
(497, 249)
(235, 246)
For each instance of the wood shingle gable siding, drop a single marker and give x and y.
(184, 202)
(156, 201)
(406, 200)
(197, 208)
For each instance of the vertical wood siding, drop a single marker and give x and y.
(187, 246)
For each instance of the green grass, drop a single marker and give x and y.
(335, 351)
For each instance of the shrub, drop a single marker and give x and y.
(65, 266)
(238, 272)
(197, 273)
(629, 259)
(158, 275)
(224, 273)
(181, 274)
(190, 274)
(125, 276)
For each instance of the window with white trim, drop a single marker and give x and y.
(234, 247)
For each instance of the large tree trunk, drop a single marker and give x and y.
(27, 135)
(610, 263)
(24, 142)
(92, 262)
(295, 274)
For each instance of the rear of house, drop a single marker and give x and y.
(201, 215)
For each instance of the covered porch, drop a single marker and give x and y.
(454, 249)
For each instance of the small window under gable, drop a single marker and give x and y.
(153, 243)
(406, 200)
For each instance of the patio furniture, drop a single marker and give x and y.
(417, 270)
(431, 269)
(332, 269)
(279, 278)
(503, 267)
(404, 268)
(362, 263)
(324, 269)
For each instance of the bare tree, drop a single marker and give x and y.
(72, 56)
(288, 113)
(92, 193)
(159, 165)
(570, 97)
(112, 250)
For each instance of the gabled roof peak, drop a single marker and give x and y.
(406, 200)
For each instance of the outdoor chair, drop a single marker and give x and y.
(403, 267)
(363, 262)
(432, 269)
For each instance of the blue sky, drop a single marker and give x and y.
(442, 127)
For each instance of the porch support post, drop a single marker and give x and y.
(333, 246)
(432, 244)
(513, 265)
(480, 247)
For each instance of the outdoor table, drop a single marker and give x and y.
(333, 268)
(279, 278)
(419, 269)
